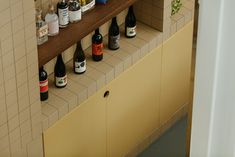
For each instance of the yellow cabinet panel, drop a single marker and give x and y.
(81, 133)
(176, 67)
(133, 105)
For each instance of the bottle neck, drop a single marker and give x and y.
(79, 45)
(97, 31)
(59, 57)
(51, 12)
(114, 20)
(131, 8)
(41, 68)
(39, 18)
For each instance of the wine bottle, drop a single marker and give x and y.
(114, 35)
(75, 11)
(97, 46)
(63, 12)
(43, 81)
(130, 24)
(79, 60)
(60, 73)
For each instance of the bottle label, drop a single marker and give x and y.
(42, 31)
(88, 6)
(80, 67)
(53, 27)
(97, 49)
(131, 31)
(75, 16)
(44, 86)
(63, 16)
(114, 41)
(61, 81)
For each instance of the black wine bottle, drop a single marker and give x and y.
(130, 24)
(60, 73)
(63, 13)
(97, 46)
(79, 60)
(43, 84)
(114, 35)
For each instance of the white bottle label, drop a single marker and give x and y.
(80, 67)
(42, 31)
(131, 31)
(63, 16)
(61, 81)
(75, 16)
(88, 6)
(53, 28)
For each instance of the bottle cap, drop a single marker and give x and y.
(38, 13)
(83, 2)
(51, 8)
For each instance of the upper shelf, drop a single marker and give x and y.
(75, 32)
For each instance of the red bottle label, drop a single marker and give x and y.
(43, 86)
(97, 49)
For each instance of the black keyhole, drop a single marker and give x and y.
(106, 94)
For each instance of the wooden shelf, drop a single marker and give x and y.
(75, 32)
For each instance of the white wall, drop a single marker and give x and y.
(213, 126)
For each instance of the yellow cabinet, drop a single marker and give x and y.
(133, 105)
(129, 114)
(82, 133)
(140, 100)
(176, 67)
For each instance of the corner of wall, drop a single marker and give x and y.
(20, 106)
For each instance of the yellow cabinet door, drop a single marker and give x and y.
(82, 133)
(133, 105)
(176, 68)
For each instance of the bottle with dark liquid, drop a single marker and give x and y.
(43, 84)
(79, 60)
(63, 13)
(97, 46)
(60, 73)
(130, 24)
(114, 35)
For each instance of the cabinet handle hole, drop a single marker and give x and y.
(106, 94)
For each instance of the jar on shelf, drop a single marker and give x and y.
(52, 20)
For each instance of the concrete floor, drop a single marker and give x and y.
(170, 144)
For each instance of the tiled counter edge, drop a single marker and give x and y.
(98, 74)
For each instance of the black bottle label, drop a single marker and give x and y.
(131, 31)
(114, 42)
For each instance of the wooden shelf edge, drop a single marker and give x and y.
(75, 32)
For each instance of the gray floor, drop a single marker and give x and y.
(171, 144)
